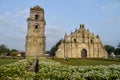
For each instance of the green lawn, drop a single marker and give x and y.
(87, 62)
(73, 61)
(7, 61)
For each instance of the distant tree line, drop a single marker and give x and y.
(5, 51)
(111, 49)
(54, 48)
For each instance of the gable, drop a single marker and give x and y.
(82, 35)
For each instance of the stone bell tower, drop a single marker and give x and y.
(35, 39)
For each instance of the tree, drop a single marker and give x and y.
(110, 49)
(14, 52)
(54, 48)
(117, 50)
(4, 50)
(118, 46)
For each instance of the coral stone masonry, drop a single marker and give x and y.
(79, 44)
(35, 39)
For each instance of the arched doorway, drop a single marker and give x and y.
(83, 53)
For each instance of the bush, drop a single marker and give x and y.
(50, 70)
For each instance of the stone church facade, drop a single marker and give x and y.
(35, 39)
(81, 44)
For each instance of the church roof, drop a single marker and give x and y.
(37, 7)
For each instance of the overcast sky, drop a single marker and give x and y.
(99, 16)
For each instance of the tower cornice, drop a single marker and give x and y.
(37, 8)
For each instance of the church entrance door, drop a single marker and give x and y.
(83, 53)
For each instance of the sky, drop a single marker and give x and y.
(99, 16)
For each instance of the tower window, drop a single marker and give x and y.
(36, 26)
(36, 17)
(75, 40)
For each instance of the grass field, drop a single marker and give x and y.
(48, 69)
(87, 62)
(7, 61)
(73, 61)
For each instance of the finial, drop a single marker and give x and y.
(97, 36)
(88, 30)
(65, 35)
(71, 32)
(93, 34)
(75, 29)
(81, 25)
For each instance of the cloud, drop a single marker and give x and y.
(22, 13)
(2, 20)
(54, 30)
(53, 34)
(103, 8)
(18, 27)
(111, 13)
(7, 14)
(111, 7)
(82, 1)
(7, 23)
(15, 33)
(113, 20)
(12, 33)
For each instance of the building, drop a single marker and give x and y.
(20, 54)
(35, 39)
(81, 44)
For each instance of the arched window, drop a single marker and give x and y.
(36, 26)
(36, 17)
(91, 40)
(75, 40)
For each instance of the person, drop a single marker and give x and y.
(66, 59)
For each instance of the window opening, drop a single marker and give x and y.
(36, 17)
(75, 40)
(36, 26)
(91, 40)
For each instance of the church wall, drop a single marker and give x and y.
(60, 51)
(81, 40)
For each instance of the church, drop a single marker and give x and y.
(81, 44)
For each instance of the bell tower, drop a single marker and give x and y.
(35, 38)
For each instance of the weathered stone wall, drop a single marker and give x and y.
(81, 44)
(35, 39)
